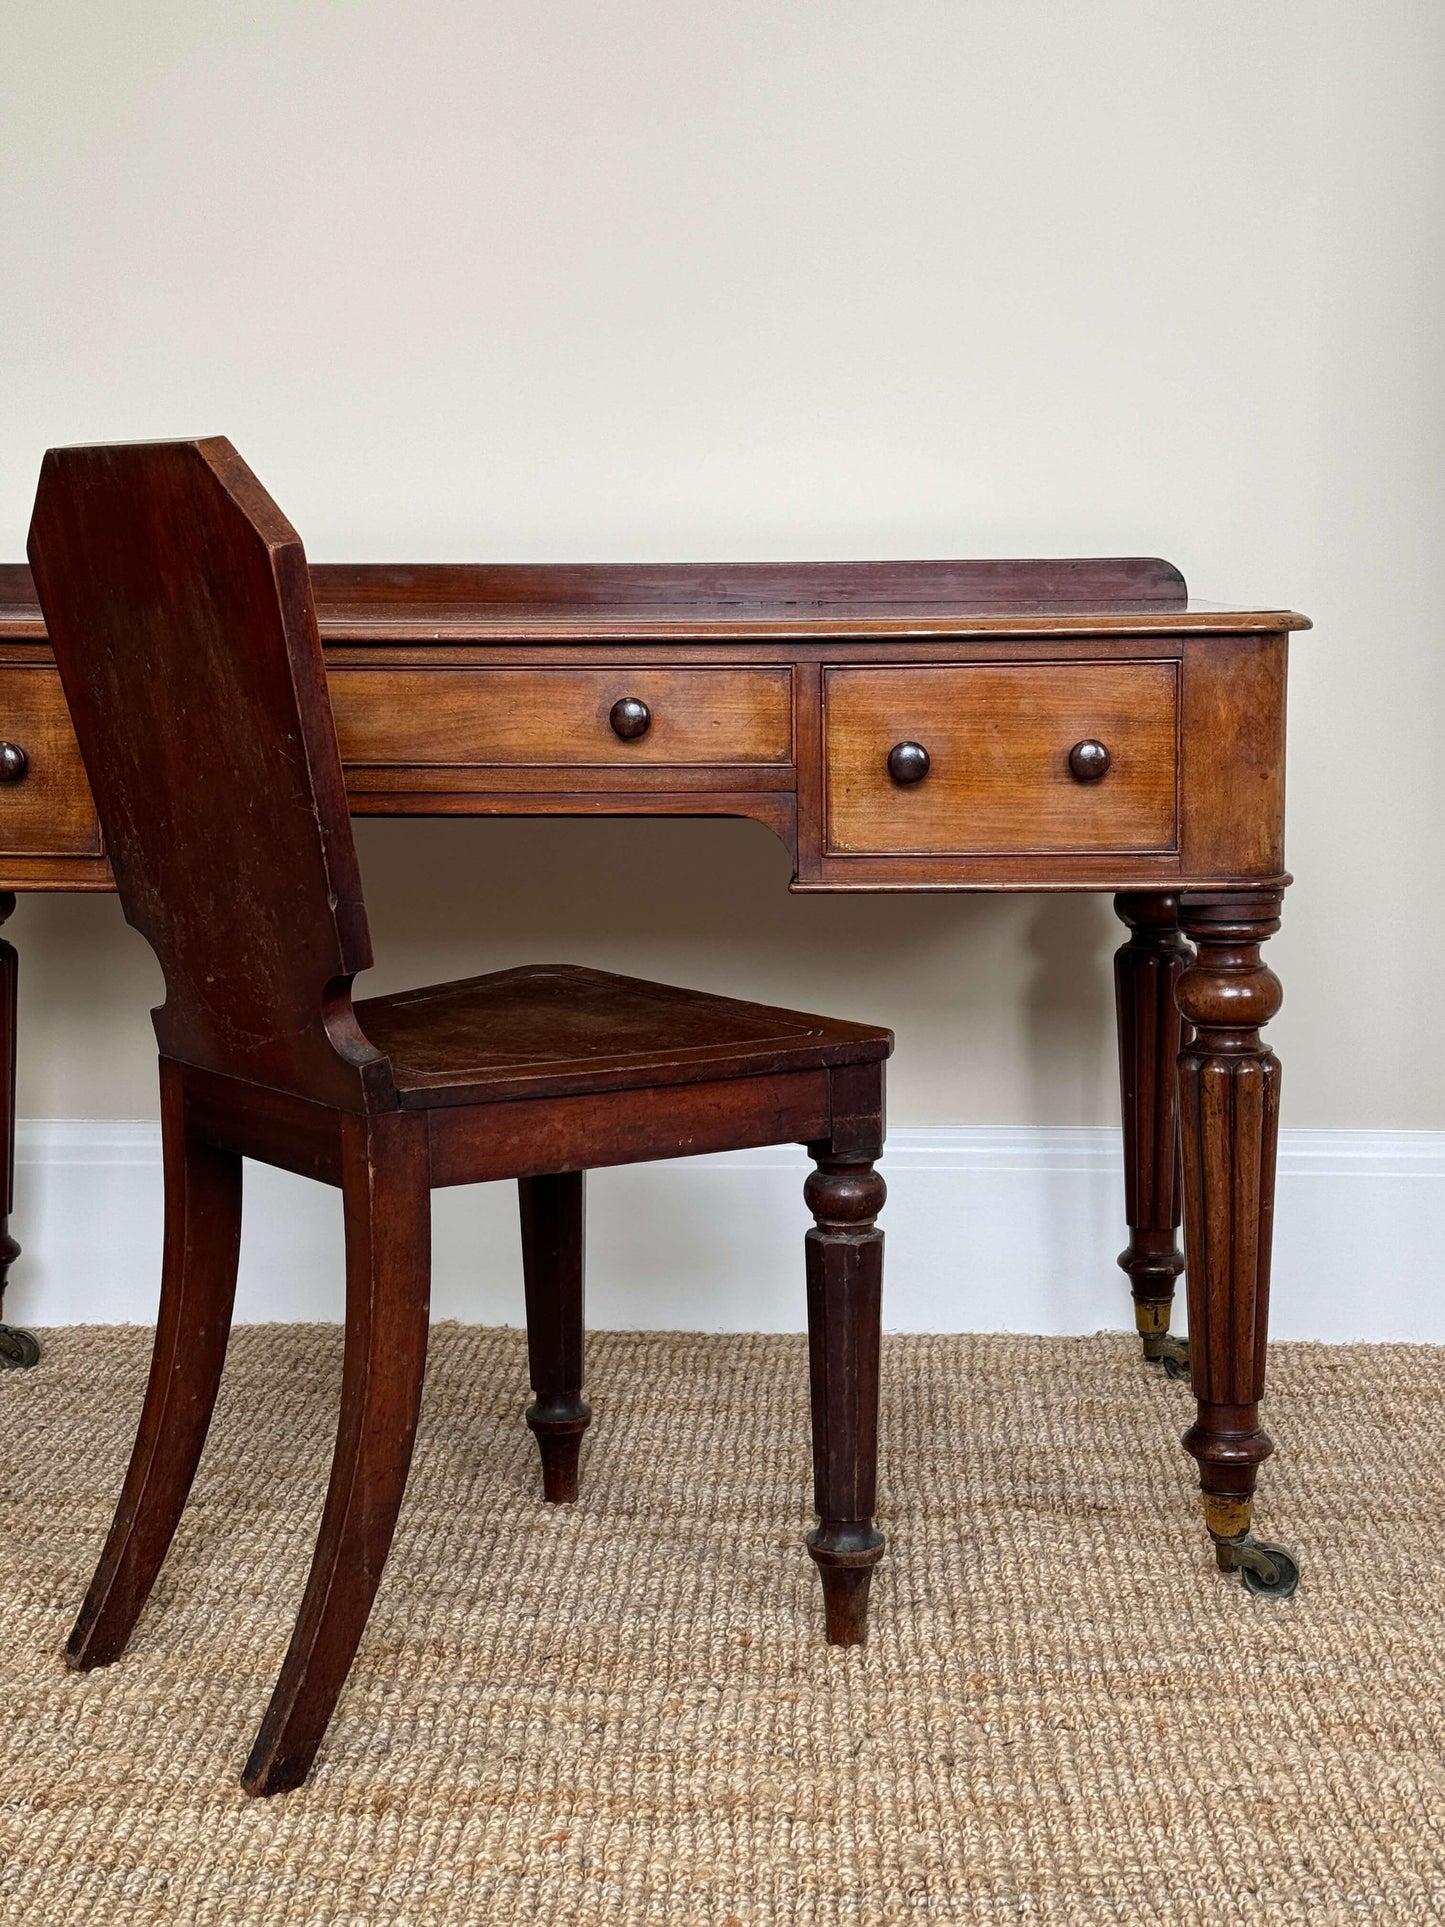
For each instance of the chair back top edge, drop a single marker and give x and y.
(179, 606)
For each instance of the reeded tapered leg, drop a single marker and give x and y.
(17, 1348)
(845, 1292)
(387, 1203)
(198, 1286)
(553, 1243)
(1146, 972)
(1229, 1107)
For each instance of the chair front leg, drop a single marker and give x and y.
(553, 1212)
(845, 1311)
(387, 1201)
(198, 1288)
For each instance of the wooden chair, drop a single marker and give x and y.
(179, 605)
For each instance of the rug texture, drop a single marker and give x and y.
(624, 1711)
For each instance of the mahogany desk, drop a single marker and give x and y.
(1067, 725)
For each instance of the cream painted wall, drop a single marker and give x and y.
(744, 278)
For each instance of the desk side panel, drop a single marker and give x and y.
(1232, 756)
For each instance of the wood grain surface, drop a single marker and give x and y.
(998, 740)
(528, 717)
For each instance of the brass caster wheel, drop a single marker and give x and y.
(1163, 1348)
(1269, 1572)
(18, 1350)
(1286, 1575)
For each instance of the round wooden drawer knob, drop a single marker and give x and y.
(630, 718)
(1088, 761)
(13, 762)
(908, 762)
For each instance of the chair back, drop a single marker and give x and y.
(178, 604)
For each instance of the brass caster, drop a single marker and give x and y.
(18, 1350)
(1269, 1572)
(1163, 1348)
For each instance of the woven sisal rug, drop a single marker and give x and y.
(624, 1711)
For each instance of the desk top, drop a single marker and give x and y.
(529, 603)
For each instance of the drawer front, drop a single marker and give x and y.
(46, 810)
(562, 717)
(998, 739)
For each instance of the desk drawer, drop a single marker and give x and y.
(998, 777)
(46, 809)
(524, 717)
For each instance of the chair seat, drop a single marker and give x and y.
(551, 1030)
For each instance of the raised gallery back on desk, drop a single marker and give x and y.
(900, 725)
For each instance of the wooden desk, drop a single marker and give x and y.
(1070, 725)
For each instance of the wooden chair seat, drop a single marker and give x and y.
(180, 609)
(554, 1030)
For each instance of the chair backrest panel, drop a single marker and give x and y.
(178, 604)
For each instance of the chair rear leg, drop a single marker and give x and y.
(387, 1200)
(198, 1288)
(845, 1310)
(553, 1243)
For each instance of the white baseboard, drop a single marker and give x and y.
(988, 1230)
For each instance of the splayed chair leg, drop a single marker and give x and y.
(198, 1286)
(387, 1202)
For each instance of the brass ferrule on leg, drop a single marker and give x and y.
(1226, 1515)
(1151, 1318)
(1264, 1568)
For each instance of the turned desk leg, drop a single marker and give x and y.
(1147, 970)
(1229, 1111)
(17, 1348)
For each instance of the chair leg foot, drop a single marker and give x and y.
(558, 1433)
(269, 1774)
(553, 1211)
(845, 1561)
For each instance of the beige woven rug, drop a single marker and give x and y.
(625, 1712)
